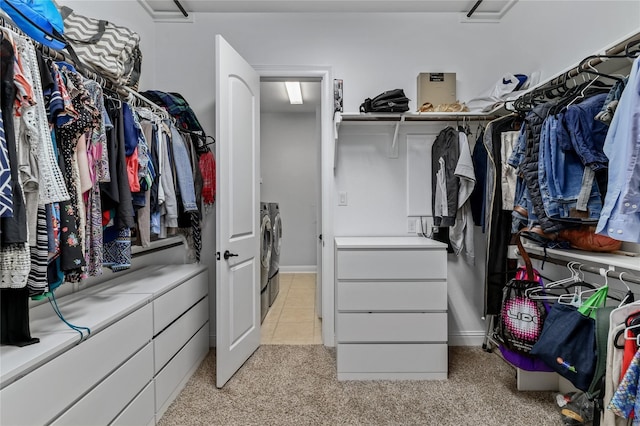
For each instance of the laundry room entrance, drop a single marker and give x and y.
(290, 210)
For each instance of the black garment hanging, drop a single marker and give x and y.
(499, 269)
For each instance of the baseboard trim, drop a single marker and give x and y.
(303, 269)
(466, 338)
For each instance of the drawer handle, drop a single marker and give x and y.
(227, 254)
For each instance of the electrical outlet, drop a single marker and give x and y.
(411, 226)
(342, 198)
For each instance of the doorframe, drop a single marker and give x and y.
(327, 139)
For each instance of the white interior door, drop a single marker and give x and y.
(237, 215)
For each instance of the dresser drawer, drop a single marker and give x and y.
(390, 361)
(70, 375)
(173, 376)
(174, 303)
(141, 411)
(105, 401)
(392, 327)
(169, 342)
(386, 264)
(392, 296)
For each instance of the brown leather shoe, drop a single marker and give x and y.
(585, 238)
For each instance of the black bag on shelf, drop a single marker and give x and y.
(389, 101)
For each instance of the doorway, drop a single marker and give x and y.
(325, 269)
(290, 152)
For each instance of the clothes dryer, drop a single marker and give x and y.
(266, 241)
(274, 270)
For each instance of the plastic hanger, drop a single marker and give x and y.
(546, 292)
(629, 296)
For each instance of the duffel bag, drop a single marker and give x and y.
(112, 51)
(389, 101)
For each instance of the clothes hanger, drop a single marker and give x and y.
(629, 296)
(592, 70)
(546, 292)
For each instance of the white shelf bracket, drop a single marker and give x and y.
(393, 150)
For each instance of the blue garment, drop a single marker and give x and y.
(478, 199)
(517, 155)
(625, 401)
(561, 174)
(131, 136)
(183, 171)
(585, 134)
(620, 218)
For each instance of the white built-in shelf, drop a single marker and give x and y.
(415, 116)
(604, 260)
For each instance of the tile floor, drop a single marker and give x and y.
(292, 319)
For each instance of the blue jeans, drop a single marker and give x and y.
(183, 171)
(585, 135)
(568, 188)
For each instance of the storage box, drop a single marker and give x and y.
(436, 88)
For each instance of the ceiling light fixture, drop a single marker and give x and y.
(294, 92)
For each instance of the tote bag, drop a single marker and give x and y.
(521, 318)
(112, 51)
(568, 340)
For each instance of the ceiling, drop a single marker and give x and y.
(487, 7)
(273, 97)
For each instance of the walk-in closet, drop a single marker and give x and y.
(331, 213)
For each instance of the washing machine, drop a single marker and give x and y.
(274, 275)
(266, 241)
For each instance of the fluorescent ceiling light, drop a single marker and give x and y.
(294, 92)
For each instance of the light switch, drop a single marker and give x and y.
(342, 198)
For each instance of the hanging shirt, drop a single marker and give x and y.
(620, 217)
(461, 233)
(625, 401)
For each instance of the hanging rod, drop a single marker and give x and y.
(627, 277)
(153, 105)
(588, 63)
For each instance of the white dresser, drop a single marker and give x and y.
(391, 308)
(149, 332)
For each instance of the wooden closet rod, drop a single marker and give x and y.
(626, 277)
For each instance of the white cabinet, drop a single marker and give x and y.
(391, 308)
(149, 332)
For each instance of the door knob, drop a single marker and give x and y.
(227, 254)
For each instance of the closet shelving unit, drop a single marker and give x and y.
(609, 264)
(389, 118)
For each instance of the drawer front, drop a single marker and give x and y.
(173, 376)
(392, 327)
(392, 296)
(141, 411)
(73, 373)
(169, 342)
(392, 358)
(174, 303)
(105, 401)
(388, 264)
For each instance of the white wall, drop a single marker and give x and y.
(376, 51)
(290, 172)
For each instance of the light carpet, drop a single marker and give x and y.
(297, 385)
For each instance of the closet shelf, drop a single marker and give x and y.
(416, 116)
(604, 260)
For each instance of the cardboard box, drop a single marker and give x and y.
(436, 88)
